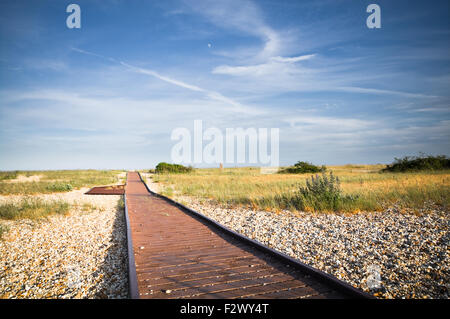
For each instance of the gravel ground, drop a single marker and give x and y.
(388, 254)
(79, 255)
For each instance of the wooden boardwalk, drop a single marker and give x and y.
(181, 256)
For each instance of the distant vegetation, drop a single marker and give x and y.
(361, 188)
(303, 167)
(8, 175)
(166, 168)
(54, 181)
(44, 182)
(419, 163)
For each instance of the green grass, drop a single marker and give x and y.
(121, 204)
(58, 181)
(167, 191)
(8, 175)
(32, 208)
(59, 187)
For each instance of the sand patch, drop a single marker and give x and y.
(24, 179)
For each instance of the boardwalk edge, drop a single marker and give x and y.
(132, 276)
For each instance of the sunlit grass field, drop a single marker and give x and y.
(372, 189)
(54, 181)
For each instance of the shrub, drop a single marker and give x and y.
(418, 163)
(303, 167)
(166, 168)
(322, 193)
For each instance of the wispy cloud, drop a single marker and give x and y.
(389, 92)
(275, 65)
(244, 16)
(293, 59)
(332, 123)
(269, 70)
(209, 93)
(163, 78)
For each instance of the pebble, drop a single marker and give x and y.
(389, 254)
(79, 255)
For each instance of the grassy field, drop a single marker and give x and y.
(368, 187)
(53, 181)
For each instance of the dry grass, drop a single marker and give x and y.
(32, 208)
(29, 184)
(372, 189)
(54, 181)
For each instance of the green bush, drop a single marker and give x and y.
(166, 168)
(322, 193)
(418, 163)
(59, 187)
(303, 167)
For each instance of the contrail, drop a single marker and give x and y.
(163, 78)
(211, 94)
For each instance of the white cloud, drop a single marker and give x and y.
(330, 123)
(389, 92)
(276, 65)
(242, 15)
(293, 59)
(211, 94)
(269, 70)
(245, 70)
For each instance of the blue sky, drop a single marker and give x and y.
(108, 95)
